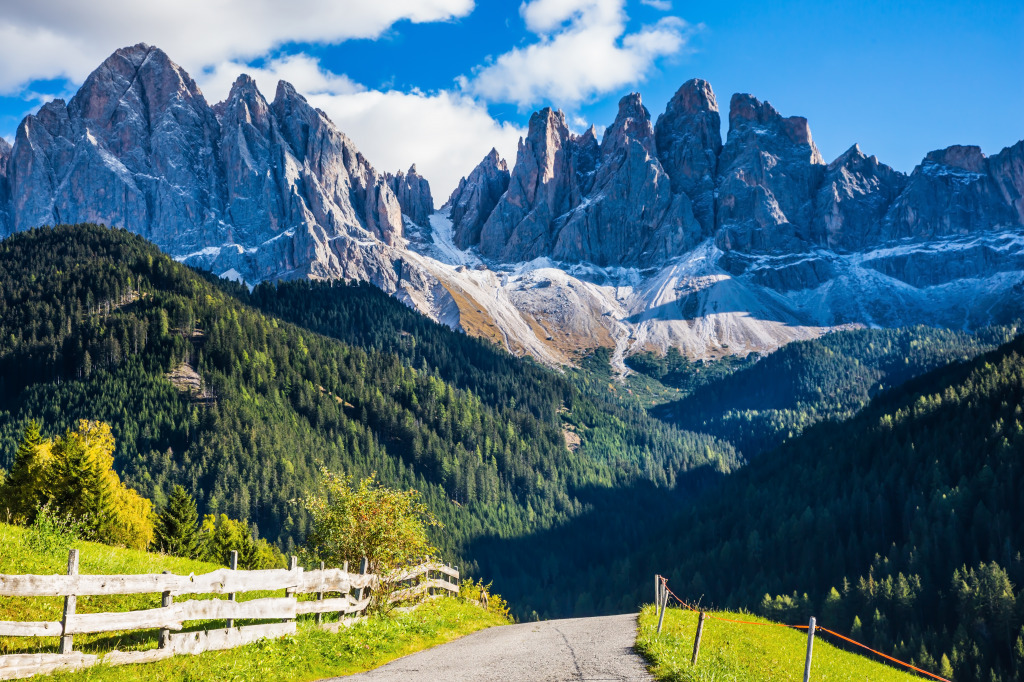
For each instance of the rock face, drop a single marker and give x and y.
(266, 190)
(853, 199)
(630, 214)
(553, 168)
(1007, 169)
(950, 193)
(768, 173)
(475, 198)
(413, 193)
(689, 140)
(658, 236)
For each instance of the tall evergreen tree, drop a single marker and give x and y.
(24, 489)
(177, 526)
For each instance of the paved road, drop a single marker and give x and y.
(573, 649)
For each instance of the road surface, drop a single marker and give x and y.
(572, 649)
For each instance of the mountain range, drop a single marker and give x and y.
(657, 235)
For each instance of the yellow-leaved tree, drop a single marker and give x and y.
(74, 474)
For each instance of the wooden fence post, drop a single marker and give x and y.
(320, 597)
(362, 571)
(166, 600)
(293, 566)
(696, 640)
(657, 589)
(810, 648)
(66, 643)
(231, 595)
(344, 569)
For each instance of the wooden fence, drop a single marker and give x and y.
(353, 590)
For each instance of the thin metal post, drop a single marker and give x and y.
(165, 634)
(696, 639)
(664, 605)
(810, 648)
(66, 643)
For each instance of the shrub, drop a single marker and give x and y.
(352, 521)
(53, 532)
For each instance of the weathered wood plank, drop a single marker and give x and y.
(413, 571)
(221, 581)
(339, 605)
(171, 617)
(14, 628)
(423, 587)
(116, 657)
(214, 640)
(15, 666)
(333, 580)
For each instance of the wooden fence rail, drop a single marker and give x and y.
(408, 583)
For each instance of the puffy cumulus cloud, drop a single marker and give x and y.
(582, 50)
(301, 70)
(444, 133)
(45, 39)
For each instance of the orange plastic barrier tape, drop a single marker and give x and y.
(894, 660)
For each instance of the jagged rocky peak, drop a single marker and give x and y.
(768, 173)
(855, 194)
(413, 193)
(245, 104)
(746, 110)
(475, 198)
(952, 192)
(689, 140)
(543, 185)
(630, 216)
(133, 147)
(356, 193)
(1007, 168)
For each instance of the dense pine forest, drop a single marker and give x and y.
(758, 403)
(239, 407)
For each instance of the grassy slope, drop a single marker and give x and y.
(310, 654)
(747, 653)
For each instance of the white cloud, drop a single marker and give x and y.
(68, 38)
(445, 133)
(301, 70)
(661, 5)
(582, 50)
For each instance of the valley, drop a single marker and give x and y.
(792, 387)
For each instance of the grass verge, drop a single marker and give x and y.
(310, 654)
(747, 653)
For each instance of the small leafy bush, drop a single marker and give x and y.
(53, 532)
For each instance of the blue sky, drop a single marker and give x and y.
(438, 82)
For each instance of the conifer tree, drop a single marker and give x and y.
(25, 487)
(177, 526)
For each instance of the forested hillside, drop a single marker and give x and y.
(901, 526)
(762, 403)
(239, 407)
